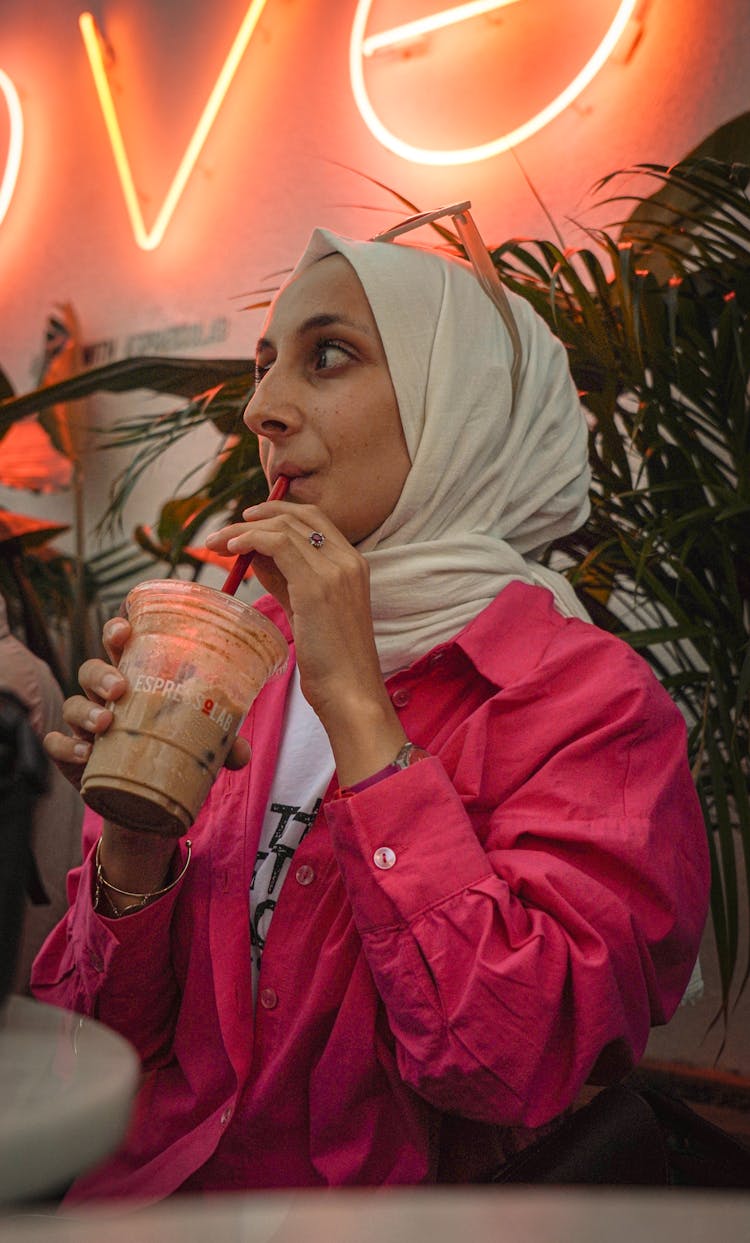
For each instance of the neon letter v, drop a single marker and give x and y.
(92, 42)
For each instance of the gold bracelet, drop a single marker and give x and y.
(142, 898)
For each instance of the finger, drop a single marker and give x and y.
(100, 681)
(115, 635)
(272, 581)
(276, 547)
(85, 717)
(217, 541)
(239, 754)
(306, 518)
(312, 574)
(284, 558)
(278, 516)
(275, 535)
(70, 754)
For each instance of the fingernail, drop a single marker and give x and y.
(114, 626)
(81, 750)
(93, 716)
(109, 682)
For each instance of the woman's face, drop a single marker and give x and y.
(324, 409)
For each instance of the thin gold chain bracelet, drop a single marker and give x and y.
(142, 898)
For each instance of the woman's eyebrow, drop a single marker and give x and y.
(314, 322)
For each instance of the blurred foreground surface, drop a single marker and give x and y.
(484, 1215)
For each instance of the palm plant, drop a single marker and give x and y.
(655, 315)
(657, 324)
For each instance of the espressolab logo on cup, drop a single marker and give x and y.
(494, 71)
(181, 689)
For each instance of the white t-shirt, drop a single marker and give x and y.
(304, 768)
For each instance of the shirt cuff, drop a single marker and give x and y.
(96, 939)
(346, 791)
(405, 852)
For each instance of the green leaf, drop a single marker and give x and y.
(182, 377)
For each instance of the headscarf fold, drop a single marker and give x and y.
(493, 481)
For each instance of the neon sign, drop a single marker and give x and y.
(525, 19)
(362, 47)
(425, 25)
(149, 239)
(15, 143)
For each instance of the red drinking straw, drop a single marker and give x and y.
(239, 569)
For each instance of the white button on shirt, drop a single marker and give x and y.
(384, 858)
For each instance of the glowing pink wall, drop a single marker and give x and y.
(289, 148)
(270, 168)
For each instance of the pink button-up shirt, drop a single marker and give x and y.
(456, 950)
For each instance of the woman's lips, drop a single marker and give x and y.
(296, 477)
(297, 484)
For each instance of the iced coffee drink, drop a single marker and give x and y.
(194, 663)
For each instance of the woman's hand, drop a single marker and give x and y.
(135, 861)
(88, 716)
(325, 592)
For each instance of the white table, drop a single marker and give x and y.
(66, 1090)
(442, 1215)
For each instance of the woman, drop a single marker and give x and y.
(464, 870)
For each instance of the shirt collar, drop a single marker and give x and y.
(509, 636)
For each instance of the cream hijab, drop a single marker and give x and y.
(493, 479)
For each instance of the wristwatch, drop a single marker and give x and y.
(409, 754)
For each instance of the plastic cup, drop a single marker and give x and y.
(195, 662)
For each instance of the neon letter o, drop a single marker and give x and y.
(15, 143)
(470, 155)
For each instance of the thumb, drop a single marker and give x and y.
(239, 754)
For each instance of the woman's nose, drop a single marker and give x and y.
(270, 412)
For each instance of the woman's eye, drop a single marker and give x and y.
(260, 371)
(330, 354)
